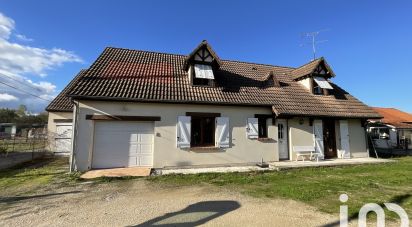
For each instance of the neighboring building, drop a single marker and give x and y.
(142, 108)
(59, 127)
(394, 130)
(7, 130)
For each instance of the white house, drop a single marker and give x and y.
(143, 108)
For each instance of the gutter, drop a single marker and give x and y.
(74, 134)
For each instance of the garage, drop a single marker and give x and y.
(63, 138)
(122, 144)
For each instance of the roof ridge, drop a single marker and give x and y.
(289, 67)
(321, 58)
(147, 51)
(182, 55)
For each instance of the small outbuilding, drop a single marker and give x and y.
(394, 130)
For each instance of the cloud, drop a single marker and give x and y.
(4, 97)
(23, 38)
(20, 64)
(6, 26)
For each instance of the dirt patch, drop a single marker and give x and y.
(137, 202)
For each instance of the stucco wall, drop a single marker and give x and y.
(51, 126)
(357, 139)
(299, 134)
(242, 150)
(302, 135)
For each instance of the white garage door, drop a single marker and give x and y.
(63, 138)
(122, 144)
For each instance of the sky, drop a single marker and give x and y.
(368, 44)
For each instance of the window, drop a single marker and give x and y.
(379, 133)
(204, 72)
(321, 86)
(203, 75)
(202, 82)
(203, 131)
(280, 131)
(317, 90)
(263, 130)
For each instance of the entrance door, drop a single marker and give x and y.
(283, 140)
(329, 138)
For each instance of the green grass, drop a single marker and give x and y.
(32, 176)
(319, 187)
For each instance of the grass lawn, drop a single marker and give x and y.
(319, 187)
(29, 177)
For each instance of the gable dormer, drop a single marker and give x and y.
(202, 64)
(314, 76)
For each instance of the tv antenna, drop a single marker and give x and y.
(313, 41)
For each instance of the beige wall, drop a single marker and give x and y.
(51, 126)
(302, 135)
(357, 139)
(242, 150)
(307, 83)
(299, 135)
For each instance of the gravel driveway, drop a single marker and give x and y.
(139, 203)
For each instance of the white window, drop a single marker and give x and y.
(204, 72)
(203, 131)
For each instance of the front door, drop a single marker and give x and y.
(329, 138)
(283, 140)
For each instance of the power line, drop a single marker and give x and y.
(28, 93)
(31, 86)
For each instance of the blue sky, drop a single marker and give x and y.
(369, 42)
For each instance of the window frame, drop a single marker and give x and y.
(317, 90)
(202, 82)
(202, 117)
(262, 128)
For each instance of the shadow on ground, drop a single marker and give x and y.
(195, 214)
(13, 199)
(399, 199)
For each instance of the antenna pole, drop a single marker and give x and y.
(314, 42)
(313, 46)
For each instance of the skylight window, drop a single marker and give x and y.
(204, 72)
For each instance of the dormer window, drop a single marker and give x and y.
(314, 76)
(201, 64)
(317, 90)
(204, 72)
(320, 86)
(203, 75)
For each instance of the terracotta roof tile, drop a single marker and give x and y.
(62, 103)
(309, 68)
(143, 76)
(395, 117)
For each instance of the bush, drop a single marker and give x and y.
(3, 150)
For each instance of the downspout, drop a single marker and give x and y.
(74, 133)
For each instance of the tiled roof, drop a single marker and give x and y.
(143, 76)
(309, 68)
(395, 117)
(62, 103)
(205, 44)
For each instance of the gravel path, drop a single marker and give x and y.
(138, 203)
